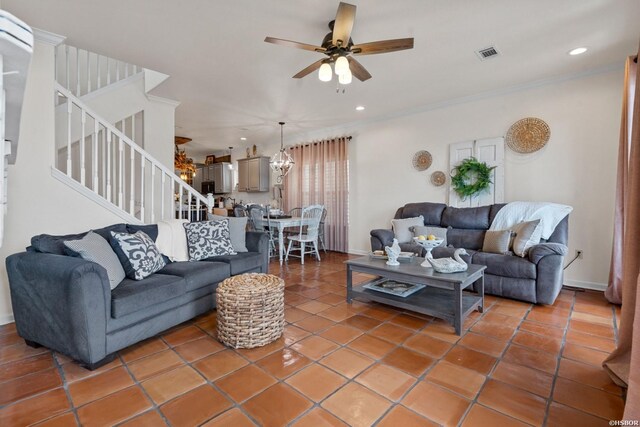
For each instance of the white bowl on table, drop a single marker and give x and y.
(428, 245)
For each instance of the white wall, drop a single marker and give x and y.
(577, 167)
(38, 203)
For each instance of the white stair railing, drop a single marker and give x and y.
(82, 72)
(114, 168)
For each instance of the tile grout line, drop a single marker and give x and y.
(488, 377)
(559, 359)
(154, 407)
(65, 386)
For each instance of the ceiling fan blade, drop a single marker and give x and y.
(358, 70)
(297, 45)
(382, 46)
(343, 24)
(310, 69)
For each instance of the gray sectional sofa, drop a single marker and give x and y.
(65, 303)
(537, 278)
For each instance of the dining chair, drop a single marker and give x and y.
(321, 229)
(257, 213)
(291, 231)
(295, 212)
(239, 211)
(310, 221)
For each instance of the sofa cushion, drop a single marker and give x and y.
(137, 253)
(431, 212)
(237, 230)
(494, 211)
(208, 238)
(506, 265)
(50, 244)
(133, 295)
(468, 239)
(402, 228)
(527, 234)
(198, 274)
(150, 230)
(468, 218)
(496, 241)
(411, 247)
(241, 262)
(94, 248)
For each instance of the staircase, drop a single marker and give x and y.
(103, 157)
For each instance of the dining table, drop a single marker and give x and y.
(280, 223)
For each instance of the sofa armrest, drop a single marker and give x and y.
(61, 302)
(548, 259)
(537, 252)
(258, 241)
(381, 238)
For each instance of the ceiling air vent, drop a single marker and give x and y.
(487, 53)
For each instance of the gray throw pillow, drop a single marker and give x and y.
(237, 229)
(527, 235)
(497, 241)
(425, 230)
(137, 253)
(94, 248)
(402, 228)
(207, 239)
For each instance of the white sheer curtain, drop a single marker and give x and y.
(321, 176)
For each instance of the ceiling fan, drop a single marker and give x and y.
(338, 46)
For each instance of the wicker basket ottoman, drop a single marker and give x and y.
(250, 310)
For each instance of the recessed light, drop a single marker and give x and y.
(578, 51)
(360, 108)
(243, 139)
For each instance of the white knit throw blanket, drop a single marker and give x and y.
(172, 239)
(549, 214)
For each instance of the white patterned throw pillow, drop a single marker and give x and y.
(137, 253)
(207, 239)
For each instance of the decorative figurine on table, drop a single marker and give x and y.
(428, 243)
(450, 265)
(393, 252)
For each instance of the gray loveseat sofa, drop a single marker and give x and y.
(537, 278)
(66, 304)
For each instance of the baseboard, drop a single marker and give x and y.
(6, 319)
(586, 285)
(357, 252)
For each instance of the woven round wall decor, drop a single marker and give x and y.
(438, 178)
(528, 135)
(422, 160)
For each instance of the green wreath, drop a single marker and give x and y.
(471, 177)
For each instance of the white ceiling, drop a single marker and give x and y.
(232, 84)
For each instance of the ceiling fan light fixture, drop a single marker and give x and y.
(345, 78)
(342, 65)
(325, 74)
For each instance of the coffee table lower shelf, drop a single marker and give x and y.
(431, 301)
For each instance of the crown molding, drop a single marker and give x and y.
(354, 125)
(47, 37)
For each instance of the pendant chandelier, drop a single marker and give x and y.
(183, 164)
(281, 162)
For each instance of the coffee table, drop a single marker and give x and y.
(442, 297)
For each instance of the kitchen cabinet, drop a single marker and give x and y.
(223, 177)
(254, 174)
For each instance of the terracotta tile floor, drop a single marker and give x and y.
(337, 364)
